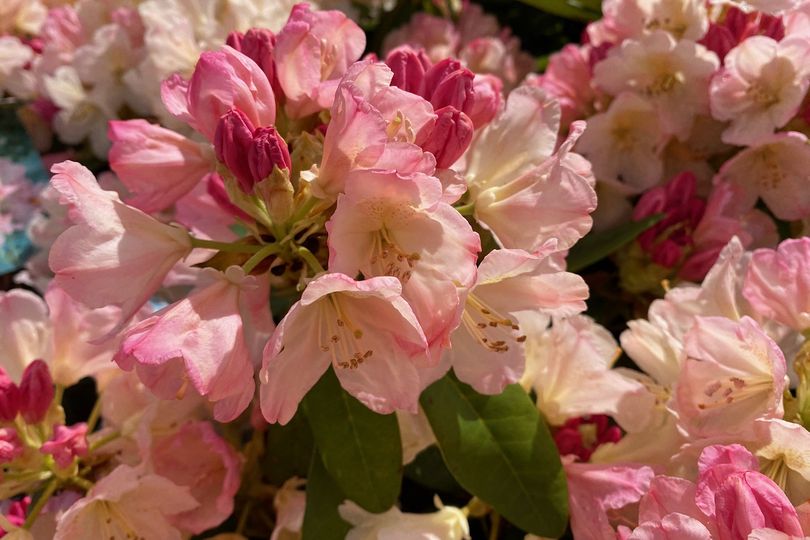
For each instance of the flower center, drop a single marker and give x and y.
(491, 329)
(388, 259)
(730, 389)
(340, 337)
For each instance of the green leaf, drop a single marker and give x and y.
(429, 470)
(321, 518)
(289, 450)
(569, 9)
(360, 448)
(594, 247)
(500, 450)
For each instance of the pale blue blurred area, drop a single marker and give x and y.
(16, 146)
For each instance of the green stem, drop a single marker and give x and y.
(59, 391)
(303, 210)
(224, 246)
(466, 209)
(259, 256)
(49, 490)
(496, 526)
(95, 414)
(310, 259)
(86, 485)
(243, 516)
(104, 440)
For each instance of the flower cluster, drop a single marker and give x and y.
(311, 259)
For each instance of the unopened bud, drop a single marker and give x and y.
(9, 398)
(258, 45)
(450, 138)
(487, 90)
(268, 150)
(232, 139)
(448, 83)
(36, 392)
(409, 67)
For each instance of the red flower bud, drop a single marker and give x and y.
(9, 398)
(448, 83)
(36, 392)
(267, 150)
(258, 45)
(409, 67)
(451, 135)
(233, 137)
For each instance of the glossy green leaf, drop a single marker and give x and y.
(321, 518)
(577, 10)
(500, 449)
(596, 246)
(360, 449)
(289, 450)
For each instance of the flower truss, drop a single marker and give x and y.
(292, 267)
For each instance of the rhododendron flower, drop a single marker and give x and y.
(738, 25)
(362, 329)
(683, 19)
(777, 283)
(523, 192)
(573, 350)
(487, 348)
(774, 169)
(23, 334)
(673, 75)
(126, 502)
(156, 164)
(396, 225)
(733, 374)
(202, 339)
(111, 244)
(785, 457)
(223, 80)
(581, 436)
(313, 51)
(596, 492)
(568, 78)
(196, 457)
(290, 505)
(761, 87)
(67, 443)
(623, 144)
(449, 523)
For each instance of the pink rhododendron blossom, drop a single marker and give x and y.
(733, 374)
(623, 144)
(67, 443)
(777, 283)
(258, 45)
(110, 244)
(773, 169)
(568, 78)
(673, 75)
(396, 225)
(739, 498)
(560, 358)
(683, 19)
(126, 502)
(196, 457)
(596, 493)
(487, 348)
(313, 51)
(760, 87)
(10, 445)
(363, 329)
(200, 339)
(672, 526)
(156, 164)
(223, 80)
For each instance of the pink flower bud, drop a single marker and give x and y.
(487, 103)
(9, 397)
(232, 139)
(67, 443)
(267, 150)
(257, 44)
(448, 83)
(10, 446)
(581, 436)
(36, 392)
(451, 135)
(17, 511)
(409, 67)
